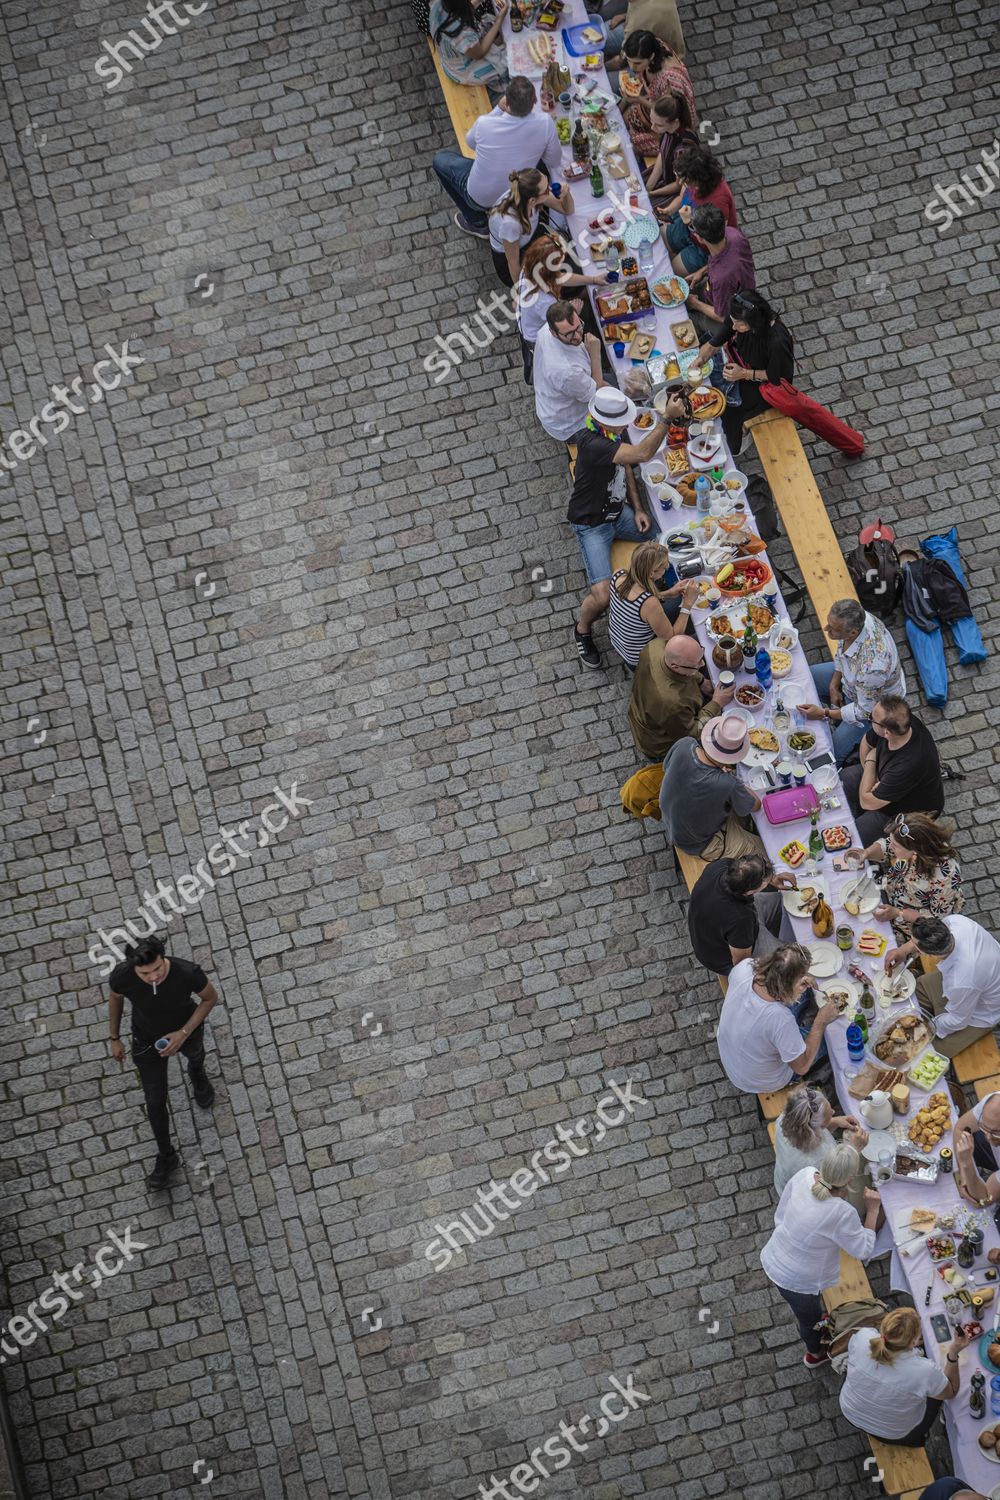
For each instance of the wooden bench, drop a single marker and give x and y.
(467, 102)
(980, 1061)
(902, 1468)
(986, 1086)
(803, 514)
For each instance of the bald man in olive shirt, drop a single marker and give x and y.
(668, 699)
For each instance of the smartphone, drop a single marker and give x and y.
(942, 1328)
(824, 758)
(840, 865)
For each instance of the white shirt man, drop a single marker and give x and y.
(505, 142)
(970, 978)
(868, 667)
(567, 371)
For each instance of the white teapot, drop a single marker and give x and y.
(876, 1110)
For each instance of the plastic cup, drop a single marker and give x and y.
(783, 771)
(727, 679)
(619, 349)
(714, 597)
(555, 188)
(799, 774)
(612, 276)
(162, 1044)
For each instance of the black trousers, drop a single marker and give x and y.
(154, 1078)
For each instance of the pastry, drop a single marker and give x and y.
(986, 1438)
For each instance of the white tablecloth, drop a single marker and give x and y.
(898, 1196)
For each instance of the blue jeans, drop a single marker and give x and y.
(595, 543)
(808, 1309)
(798, 1010)
(845, 735)
(452, 170)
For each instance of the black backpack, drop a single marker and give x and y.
(877, 576)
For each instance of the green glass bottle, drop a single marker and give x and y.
(816, 846)
(596, 181)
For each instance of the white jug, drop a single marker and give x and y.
(876, 1110)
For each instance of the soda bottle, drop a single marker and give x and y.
(596, 181)
(861, 1023)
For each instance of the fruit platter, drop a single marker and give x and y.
(940, 1247)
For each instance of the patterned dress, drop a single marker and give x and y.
(939, 893)
(673, 78)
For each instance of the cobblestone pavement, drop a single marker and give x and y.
(278, 553)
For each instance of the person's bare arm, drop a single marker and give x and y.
(489, 36)
(641, 452)
(592, 344)
(869, 779)
(654, 615)
(970, 1185)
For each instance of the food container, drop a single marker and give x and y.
(914, 1166)
(900, 1097)
(726, 652)
(900, 1052)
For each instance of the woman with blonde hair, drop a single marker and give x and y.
(812, 1224)
(803, 1136)
(637, 611)
(892, 1391)
(921, 875)
(514, 219)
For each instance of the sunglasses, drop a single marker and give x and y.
(900, 827)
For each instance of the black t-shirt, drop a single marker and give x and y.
(718, 921)
(909, 779)
(598, 493)
(168, 1008)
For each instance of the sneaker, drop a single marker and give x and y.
(589, 654)
(462, 223)
(161, 1171)
(811, 1361)
(204, 1093)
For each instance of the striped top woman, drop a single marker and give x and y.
(637, 594)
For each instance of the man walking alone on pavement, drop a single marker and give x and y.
(161, 990)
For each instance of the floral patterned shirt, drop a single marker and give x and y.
(868, 667)
(939, 893)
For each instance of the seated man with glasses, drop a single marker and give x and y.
(982, 1122)
(671, 696)
(898, 769)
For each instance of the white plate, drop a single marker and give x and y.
(790, 899)
(826, 959)
(878, 1140)
(755, 757)
(849, 986)
(907, 989)
(700, 453)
